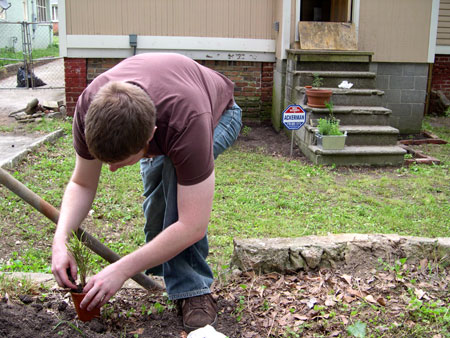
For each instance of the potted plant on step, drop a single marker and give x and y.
(317, 97)
(328, 134)
(82, 256)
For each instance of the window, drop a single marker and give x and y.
(54, 12)
(41, 10)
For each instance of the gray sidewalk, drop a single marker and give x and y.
(15, 144)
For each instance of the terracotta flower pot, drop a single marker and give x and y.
(83, 314)
(318, 97)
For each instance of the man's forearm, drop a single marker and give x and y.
(76, 203)
(162, 248)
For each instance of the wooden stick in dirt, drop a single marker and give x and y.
(53, 214)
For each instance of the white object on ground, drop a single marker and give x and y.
(345, 85)
(206, 332)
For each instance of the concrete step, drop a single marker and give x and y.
(363, 135)
(352, 115)
(334, 78)
(356, 155)
(320, 60)
(346, 97)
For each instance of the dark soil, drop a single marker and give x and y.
(261, 137)
(393, 300)
(131, 312)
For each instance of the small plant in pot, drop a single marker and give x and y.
(82, 256)
(328, 135)
(317, 97)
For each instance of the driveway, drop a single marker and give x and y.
(14, 143)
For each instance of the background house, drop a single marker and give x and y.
(251, 42)
(36, 12)
(54, 15)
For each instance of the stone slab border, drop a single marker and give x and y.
(52, 137)
(47, 280)
(343, 251)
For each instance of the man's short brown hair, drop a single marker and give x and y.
(119, 121)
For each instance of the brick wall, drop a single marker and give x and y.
(253, 85)
(441, 74)
(253, 82)
(75, 81)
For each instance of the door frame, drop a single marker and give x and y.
(356, 4)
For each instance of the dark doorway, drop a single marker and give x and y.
(326, 10)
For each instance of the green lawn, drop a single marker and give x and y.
(51, 51)
(256, 196)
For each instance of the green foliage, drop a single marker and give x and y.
(245, 130)
(15, 287)
(329, 126)
(82, 255)
(357, 330)
(435, 312)
(9, 53)
(281, 199)
(317, 81)
(397, 267)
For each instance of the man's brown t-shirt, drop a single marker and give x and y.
(189, 101)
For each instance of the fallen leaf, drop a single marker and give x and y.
(344, 320)
(381, 301)
(348, 299)
(261, 291)
(335, 333)
(419, 293)
(347, 278)
(423, 264)
(354, 293)
(329, 301)
(370, 299)
(311, 302)
(301, 317)
(141, 331)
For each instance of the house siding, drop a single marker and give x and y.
(251, 19)
(443, 31)
(395, 30)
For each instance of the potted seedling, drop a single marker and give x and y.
(82, 256)
(317, 97)
(328, 134)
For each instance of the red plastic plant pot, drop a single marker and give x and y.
(83, 314)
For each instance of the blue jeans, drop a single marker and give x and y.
(187, 274)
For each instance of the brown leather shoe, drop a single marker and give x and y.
(198, 312)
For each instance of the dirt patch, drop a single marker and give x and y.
(262, 138)
(131, 313)
(396, 299)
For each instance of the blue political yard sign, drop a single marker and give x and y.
(294, 117)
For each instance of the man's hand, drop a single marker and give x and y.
(103, 286)
(62, 263)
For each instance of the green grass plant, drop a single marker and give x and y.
(14, 286)
(51, 51)
(256, 196)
